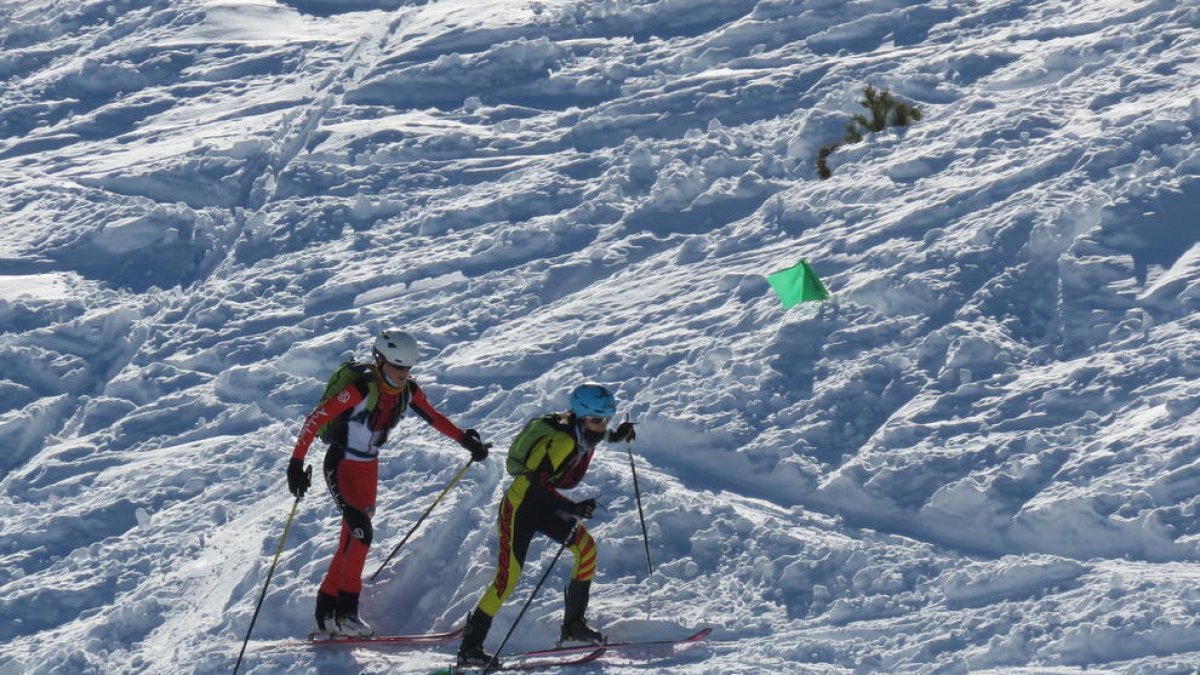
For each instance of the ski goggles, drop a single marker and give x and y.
(595, 421)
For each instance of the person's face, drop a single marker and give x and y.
(397, 374)
(595, 423)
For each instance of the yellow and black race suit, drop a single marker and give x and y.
(557, 461)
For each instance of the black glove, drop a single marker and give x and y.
(585, 508)
(299, 478)
(623, 432)
(471, 441)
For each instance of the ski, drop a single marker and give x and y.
(524, 665)
(553, 657)
(323, 639)
(617, 646)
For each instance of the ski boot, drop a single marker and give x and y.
(575, 628)
(470, 652)
(346, 619)
(350, 625)
(578, 631)
(324, 614)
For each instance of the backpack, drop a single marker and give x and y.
(522, 446)
(346, 372)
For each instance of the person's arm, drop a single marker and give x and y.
(425, 410)
(469, 438)
(329, 410)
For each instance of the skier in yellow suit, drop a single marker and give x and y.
(552, 453)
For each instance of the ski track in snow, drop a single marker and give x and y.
(980, 456)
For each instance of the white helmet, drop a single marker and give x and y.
(397, 348)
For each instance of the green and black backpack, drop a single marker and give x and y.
(347, 372)
(535, 430)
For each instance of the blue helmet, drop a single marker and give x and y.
(593, 400)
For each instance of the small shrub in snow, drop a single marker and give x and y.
(884, 111)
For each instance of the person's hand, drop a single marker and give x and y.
(472, 442)
(585, 508)
(623, 432)
(299, 478)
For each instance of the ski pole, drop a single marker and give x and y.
(453, 481)
(513, 627)
(262, 596)
(638, 493)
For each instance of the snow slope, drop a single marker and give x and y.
(980, 456)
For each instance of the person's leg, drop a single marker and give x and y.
(328, 591)
(515, 532)
(583, 547)
(354, 486)
(578, 592)
(579, 589)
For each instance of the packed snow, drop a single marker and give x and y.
(982, 454)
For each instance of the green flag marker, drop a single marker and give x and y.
(797, 284)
